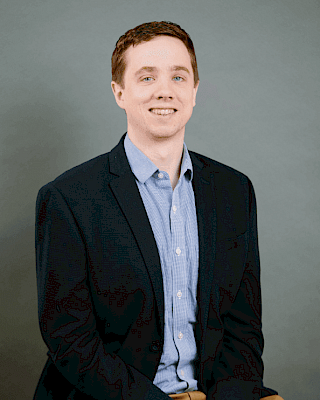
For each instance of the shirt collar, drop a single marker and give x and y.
(143, 168)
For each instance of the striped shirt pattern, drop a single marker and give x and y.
(172, 215)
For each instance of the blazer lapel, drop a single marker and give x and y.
(127, 194)
(203, 186)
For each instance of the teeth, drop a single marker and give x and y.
(161, 111)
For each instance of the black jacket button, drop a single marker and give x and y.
(155, 347)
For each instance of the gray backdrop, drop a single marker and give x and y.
(257, 110)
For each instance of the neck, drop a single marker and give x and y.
(165, 153)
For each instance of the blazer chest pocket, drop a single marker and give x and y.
(231, 254)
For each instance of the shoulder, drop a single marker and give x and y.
(233, 193)
(84, 178)
(233, 189)
(221, 174)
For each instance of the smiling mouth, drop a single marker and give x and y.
(163, 111)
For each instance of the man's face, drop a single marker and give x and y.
(159, 93)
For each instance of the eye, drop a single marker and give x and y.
(178, 78)
(147, 79)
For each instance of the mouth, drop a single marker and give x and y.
(163, 111)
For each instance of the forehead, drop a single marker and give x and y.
(160, 51)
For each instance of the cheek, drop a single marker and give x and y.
(139, 95)
(142, 96)
(186, 97)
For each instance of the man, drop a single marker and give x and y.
(147, 256)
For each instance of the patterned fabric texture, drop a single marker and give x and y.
(172, 215)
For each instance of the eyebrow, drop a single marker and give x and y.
(152, 69)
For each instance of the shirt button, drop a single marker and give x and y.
(179, 294)
(174, 208)
(160, 175)
(178, 251)
(180, 336)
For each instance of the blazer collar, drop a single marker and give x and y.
(118, 161)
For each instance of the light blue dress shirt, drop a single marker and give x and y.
(172, 215)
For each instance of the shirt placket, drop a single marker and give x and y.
(179, 275)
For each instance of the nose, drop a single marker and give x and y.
(164, 89)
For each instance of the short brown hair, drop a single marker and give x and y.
(144, 33)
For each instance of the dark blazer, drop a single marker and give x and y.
(100, 290)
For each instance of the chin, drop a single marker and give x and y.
(166, 132)
(164, 135)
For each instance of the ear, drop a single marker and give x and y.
(118, 93)
(195, 90)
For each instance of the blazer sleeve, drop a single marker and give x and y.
(238, 371)
(66, 315)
